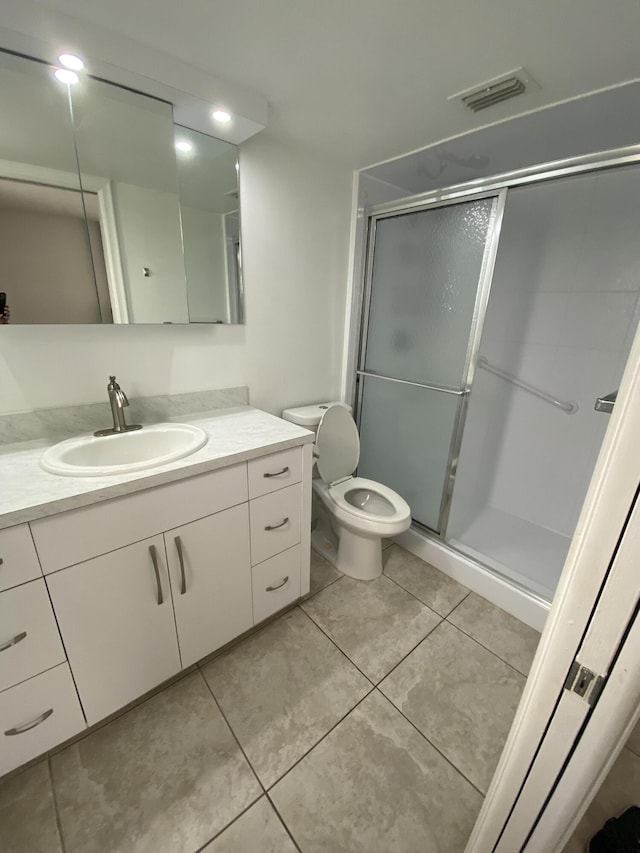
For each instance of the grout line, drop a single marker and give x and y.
(55, 807)
(324, 736)
(342, 652)
(439, 751)
(430, 607)
(313, 594)
(282, 820)
(404, 657)
(486, 648)
(231, 822)
(224, 717)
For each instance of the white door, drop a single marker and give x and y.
(210, 570)
(116, 620)
(581, 699)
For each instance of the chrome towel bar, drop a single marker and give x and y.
(566, 406)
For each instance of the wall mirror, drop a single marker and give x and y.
(102, 218)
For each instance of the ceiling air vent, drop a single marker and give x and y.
(496, 91)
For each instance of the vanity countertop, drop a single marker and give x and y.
(235, 435)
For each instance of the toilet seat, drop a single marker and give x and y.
(361, 520)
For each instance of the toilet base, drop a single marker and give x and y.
(359, 557)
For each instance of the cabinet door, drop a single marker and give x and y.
(210, 570)
(116, 620)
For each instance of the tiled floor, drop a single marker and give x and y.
(370, 718)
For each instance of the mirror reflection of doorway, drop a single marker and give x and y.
(52, 264)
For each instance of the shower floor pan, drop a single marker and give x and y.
(530, 555)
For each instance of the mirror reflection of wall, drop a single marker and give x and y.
(125, 148)
(208, 188)
(98, 221)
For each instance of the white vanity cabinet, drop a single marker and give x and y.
(39, 705)
(116, 618)
(138, 598)
(211, 581)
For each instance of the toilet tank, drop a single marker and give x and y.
(310, 416)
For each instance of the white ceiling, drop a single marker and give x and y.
(359, 81)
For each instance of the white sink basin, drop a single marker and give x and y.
(88, 456)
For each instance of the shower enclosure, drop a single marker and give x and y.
(492, 322)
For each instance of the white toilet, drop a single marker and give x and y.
(362, 512)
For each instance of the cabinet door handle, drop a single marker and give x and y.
(278, 473)
(183, 580)
(276, 526)
(13, 641)
(154, 560)
(278, 586)
(25, 728)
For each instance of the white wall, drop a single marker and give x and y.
(204, 260)
(563, 310)
(295, 226)
(148, 225)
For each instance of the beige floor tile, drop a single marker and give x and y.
(498, 631)
(322, 573)
(375, 623)
(438, 591)
(258, 830)
(619, 790)
(27, 814)
(376, 785)
(282, 690)
(461, 697)
(167, 775)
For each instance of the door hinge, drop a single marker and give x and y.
(584, 682)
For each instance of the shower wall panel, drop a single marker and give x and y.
(562, 314)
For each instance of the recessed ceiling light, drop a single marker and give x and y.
(70, 60)
(64, 75)
(184, 146)
(221, 115)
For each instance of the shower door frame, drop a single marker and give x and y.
(481, 301)
(493, 186)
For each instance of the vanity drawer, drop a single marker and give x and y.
(37, 715)
(18, 558)
(29, 638)
(80, 534)
(273, 472)
(275, 523)
(276, 583)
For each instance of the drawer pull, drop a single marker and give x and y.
(1, 561)
(278, 473)
(13, 641)
(276, 526)
(183, 580)
(154, 560)
(25, 728)
(279, 586)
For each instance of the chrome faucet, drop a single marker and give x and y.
(118, 401)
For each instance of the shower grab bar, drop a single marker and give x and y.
(566, 406)
(444, 388)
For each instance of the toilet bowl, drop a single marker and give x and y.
(362, 511)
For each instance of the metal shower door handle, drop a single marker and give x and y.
(605, 404)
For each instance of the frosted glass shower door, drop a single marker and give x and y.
(424, 300)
